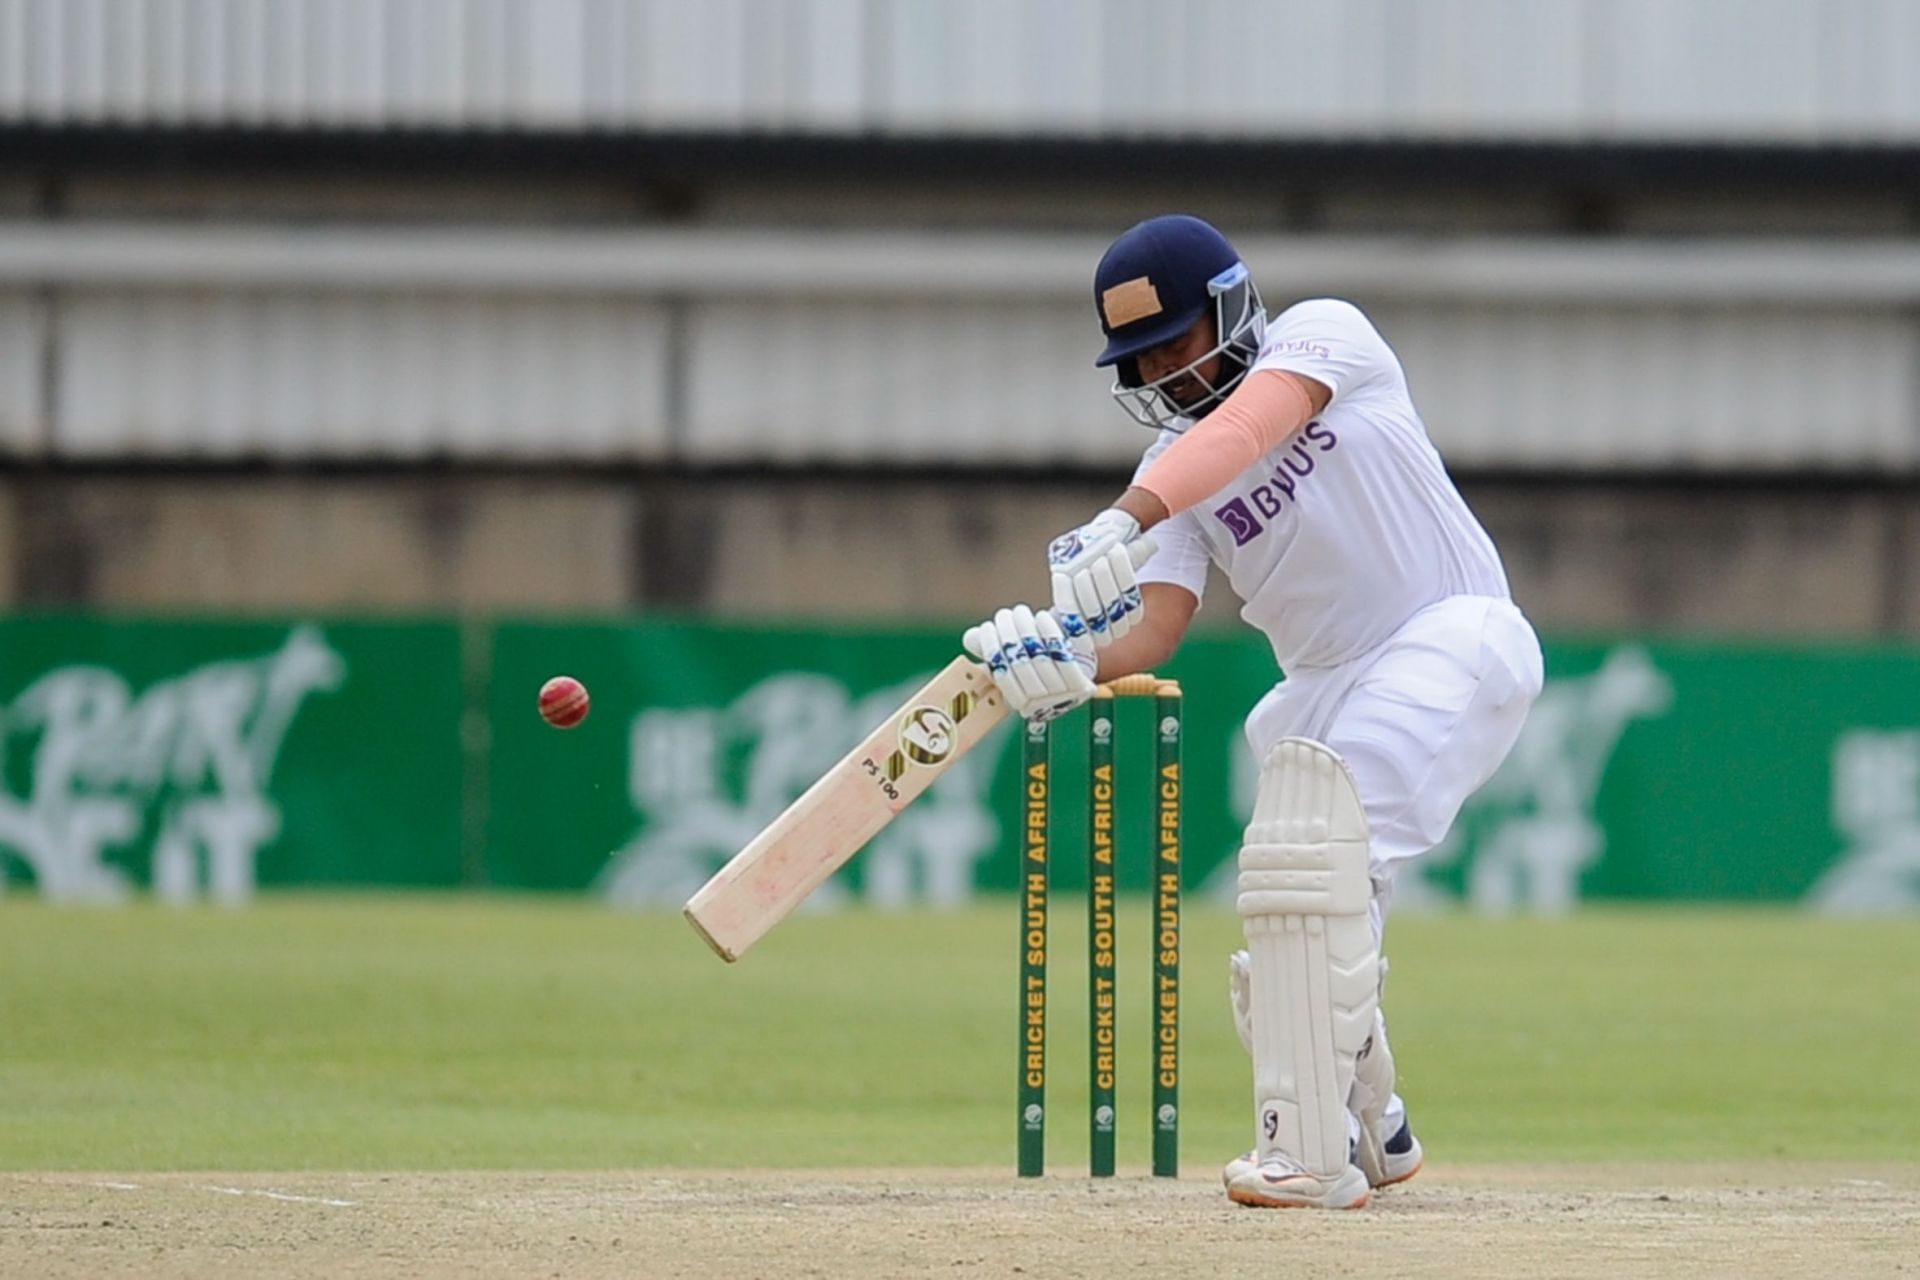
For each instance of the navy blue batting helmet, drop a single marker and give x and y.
(1151, 286)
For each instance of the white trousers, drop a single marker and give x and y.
(1423, 720)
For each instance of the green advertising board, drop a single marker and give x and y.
(1730, 773)
(1665, 771)
(202, 758)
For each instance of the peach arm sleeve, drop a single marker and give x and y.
(1261, 414)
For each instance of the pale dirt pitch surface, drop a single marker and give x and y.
(1488, 1221)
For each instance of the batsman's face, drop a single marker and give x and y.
(1171, 357)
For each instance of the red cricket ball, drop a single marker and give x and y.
(563, 702)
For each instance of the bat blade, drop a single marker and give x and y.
(836, 817)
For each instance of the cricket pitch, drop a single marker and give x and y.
(1571, 1220)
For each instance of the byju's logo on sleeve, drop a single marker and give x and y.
(1246, 517)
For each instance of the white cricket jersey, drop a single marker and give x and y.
(1337, 537)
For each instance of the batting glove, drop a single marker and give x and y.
(1043, 674)
(1095, 592)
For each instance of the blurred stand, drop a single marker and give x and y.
(1585, 556)
(754, 309)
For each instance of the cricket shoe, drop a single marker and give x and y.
(1247, 1163)
(1281, 1184)
(1394, 1161)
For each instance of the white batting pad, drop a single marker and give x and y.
(1304, 893)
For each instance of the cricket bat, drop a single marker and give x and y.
(822, 830)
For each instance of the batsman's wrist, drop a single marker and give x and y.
(1143, 506)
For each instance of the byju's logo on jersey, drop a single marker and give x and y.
(1242, 516)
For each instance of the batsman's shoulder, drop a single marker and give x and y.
(1323, 310)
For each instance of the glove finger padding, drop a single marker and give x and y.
(981, 641)
(1043, 666)
(1113, 595)
(1066, 609)
(985, 642)
(1077, 658)
(1086, 598)
(1019, 664)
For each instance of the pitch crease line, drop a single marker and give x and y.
(281, 1195)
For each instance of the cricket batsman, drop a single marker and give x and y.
(1289, 453)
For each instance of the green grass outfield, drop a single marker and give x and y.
(493, 1032)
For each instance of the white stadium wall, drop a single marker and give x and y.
(901, 349)
(388, 376)
(1793, 71)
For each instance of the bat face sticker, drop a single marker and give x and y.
(927, 735)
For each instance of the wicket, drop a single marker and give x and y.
(1102, 935)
